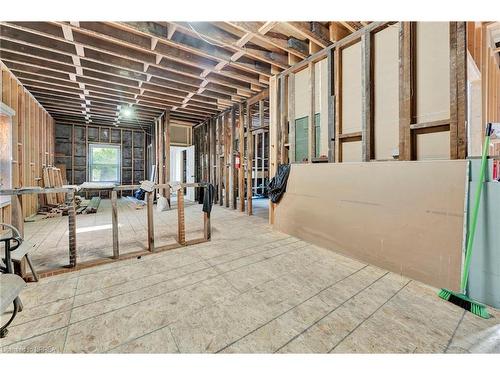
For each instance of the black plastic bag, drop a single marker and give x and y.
(277, 185)
(139, 194)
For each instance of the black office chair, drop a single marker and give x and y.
(11, 284)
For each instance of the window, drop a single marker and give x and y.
(104, 163)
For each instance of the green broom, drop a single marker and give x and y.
(461, 299)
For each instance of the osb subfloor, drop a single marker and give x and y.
(250, 289)
(94, 233)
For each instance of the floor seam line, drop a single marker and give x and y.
(330, 312)
(455, 331)
(70, 314)
(149, 298)
(369, 316)
(170, 291)
(290, 309)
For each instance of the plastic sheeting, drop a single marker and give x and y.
(277, 185)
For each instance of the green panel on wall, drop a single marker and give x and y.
(301, 139)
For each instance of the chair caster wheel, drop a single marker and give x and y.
(3, 333)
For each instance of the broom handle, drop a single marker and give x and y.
(475, 210)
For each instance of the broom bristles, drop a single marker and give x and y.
(464, 302)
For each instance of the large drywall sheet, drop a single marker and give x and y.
(386, 92)
(433, 71)
(406, 217)
(351, 89)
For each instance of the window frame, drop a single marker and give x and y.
(91, 146)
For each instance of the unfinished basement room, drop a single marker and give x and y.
(249, 186)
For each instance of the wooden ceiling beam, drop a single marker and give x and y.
(313, 31)
(223, 39)
(257, 31)
(170, 84)
(177, 65)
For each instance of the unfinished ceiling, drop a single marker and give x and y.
(90, 72)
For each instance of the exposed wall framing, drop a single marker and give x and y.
(32, 142)
(234, 162)
(355, 122)
(71, 151)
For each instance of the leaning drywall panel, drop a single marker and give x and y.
(432, 71)
(386, 92)
(406, 217)
(351, 89)
(433, 145)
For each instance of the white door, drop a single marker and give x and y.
(190, 172)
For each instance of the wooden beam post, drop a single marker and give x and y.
(207, 228)
(233, 171)
(287, 124)
(72, 229)
(151, 228)
(181, 224)
(366, 90)
(227, 160)
(331, 106)
(405, 97)
(220, 159)
(338, 102)
(286, 88)
(274, 118)
(312, 114)
(249, 164)
(114, 220)
(241, 151)
(167, 154)
(261, 124)
(461, 85)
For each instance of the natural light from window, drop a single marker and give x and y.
(104, 163)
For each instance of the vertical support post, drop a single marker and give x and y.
(337, 63)
(114, 218)
(274, 118)
(161, 154)
(151, 228)
(405, 97)
(227, 158)
(366, 111)
(461, 70)
(331, 106)
(167, 153)
(207, 227)
(241, 151)
(287, 108)
(232, 175)
(287, 99)
(261, 125)
(453, 91)
(72, 228)
(181, 224)
(220, 159)
(312, 115)
(249, 163)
